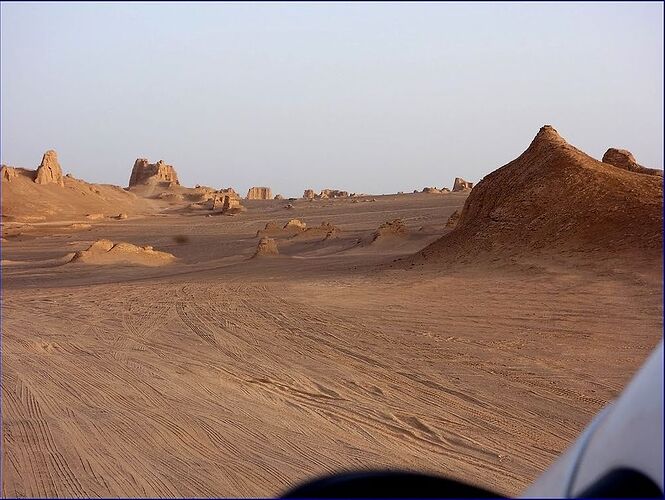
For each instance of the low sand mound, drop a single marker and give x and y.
(105, 252)
(555, 198)
(291, 228)
(295, 225)
(271, 229)
(394, 229)
(266, 247)
(325, 231)
(171, 197)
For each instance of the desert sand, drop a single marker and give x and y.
(369, 334)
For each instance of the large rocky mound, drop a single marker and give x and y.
(105, 252)
(49, 171)
(555, 198)
(259, 193)
(151, 173)
(622, 158)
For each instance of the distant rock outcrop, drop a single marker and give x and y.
(8, 173)
(259, 193)
(622, 158)
(149, 173)
(228, 202)
(49, 171)
(279, 197)
(266, 247)
(308, 194)
(333, 193)
(461, 185)
(434, 190)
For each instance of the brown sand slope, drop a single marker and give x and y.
(556, 199)
(24, 199)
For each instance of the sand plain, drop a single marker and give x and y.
(225, 375)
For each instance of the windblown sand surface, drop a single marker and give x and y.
(223, 375)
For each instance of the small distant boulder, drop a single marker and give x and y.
(149, 173)
(49, 171)
(267, 247)
(431, 190)
(279, 197)
(453, 219)
(259, 193)
(288, 206)
(461, 185)
(622, 158)
(121, 216)
(325, 231)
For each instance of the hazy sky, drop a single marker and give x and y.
(365, 97)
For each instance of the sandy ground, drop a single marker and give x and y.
(222, 375)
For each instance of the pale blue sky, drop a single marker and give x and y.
(366, 97)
